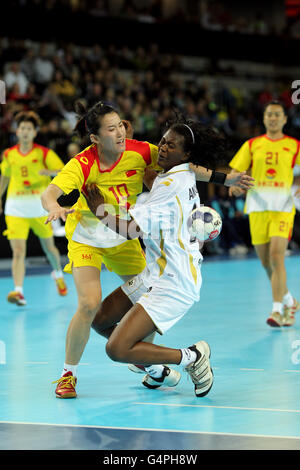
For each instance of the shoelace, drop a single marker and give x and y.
(65, 382)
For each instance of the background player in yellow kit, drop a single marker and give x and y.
(25, 173)
(271, 158)
(117, 166)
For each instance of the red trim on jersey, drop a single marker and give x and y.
(252, 140)
(108, 170)
(143, 148)
(86, 160)
(296, 154)
(45, 151)
(275, 140)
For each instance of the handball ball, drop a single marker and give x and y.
(204, 223)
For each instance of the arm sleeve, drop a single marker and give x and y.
(52, 161)
(242, 159)
(70, 177)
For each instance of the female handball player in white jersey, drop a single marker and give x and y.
(162, 294)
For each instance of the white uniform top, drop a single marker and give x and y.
(172, 256)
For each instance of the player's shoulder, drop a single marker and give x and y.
(8, 150)
(89, 153)
(292, 140)
(255, 140)
(141, 147)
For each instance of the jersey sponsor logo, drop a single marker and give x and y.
(271, 173)
(86, 256)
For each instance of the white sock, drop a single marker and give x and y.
(155, 371)
(19, 289)
(288, 299)
(188, 356)
(277, 307)
(58, 274)
(69, 368)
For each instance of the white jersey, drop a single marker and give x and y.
(172, 256)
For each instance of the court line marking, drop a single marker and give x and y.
(152, 429)
(218, 407)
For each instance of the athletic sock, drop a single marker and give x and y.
(69, 368)
(277, 307)
(288, 299)
(187, 357)
(58, 274)
(155, 371)
(19, 289)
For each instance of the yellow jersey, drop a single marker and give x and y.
(271, 163)
(120, 186)
(25, 182)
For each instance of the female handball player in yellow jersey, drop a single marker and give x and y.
(271, 158)
(26, 171)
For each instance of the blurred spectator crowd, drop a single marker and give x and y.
(247, 18)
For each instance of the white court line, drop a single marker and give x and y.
(218, 407)
(152, 429)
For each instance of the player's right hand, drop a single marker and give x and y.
(58, 213)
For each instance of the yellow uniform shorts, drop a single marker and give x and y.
(125, 259)
(268, 224)
(18, 227)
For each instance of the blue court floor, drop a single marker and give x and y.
(254, 403)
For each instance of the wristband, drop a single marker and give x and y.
(217, 177)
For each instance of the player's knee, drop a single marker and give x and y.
(88, 308)
(19, 251)
(115, 351)
(276, 258)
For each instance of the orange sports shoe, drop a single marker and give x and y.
(66, 386)
(288, 318)
(16, 298)
(61, 286)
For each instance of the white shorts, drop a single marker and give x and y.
(164, 309)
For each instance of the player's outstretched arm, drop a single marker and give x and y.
(239, 179)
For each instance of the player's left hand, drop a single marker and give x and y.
(94, 197)
(242, 180)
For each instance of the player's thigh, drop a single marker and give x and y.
(88, 287)
(278, 247)
(126, 260)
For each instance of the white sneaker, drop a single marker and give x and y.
(288, 318)
(200, 371)
(169, 378)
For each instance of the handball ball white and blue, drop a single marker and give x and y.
(204, 223)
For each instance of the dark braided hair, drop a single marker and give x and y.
(90, 120)
(205, 144)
